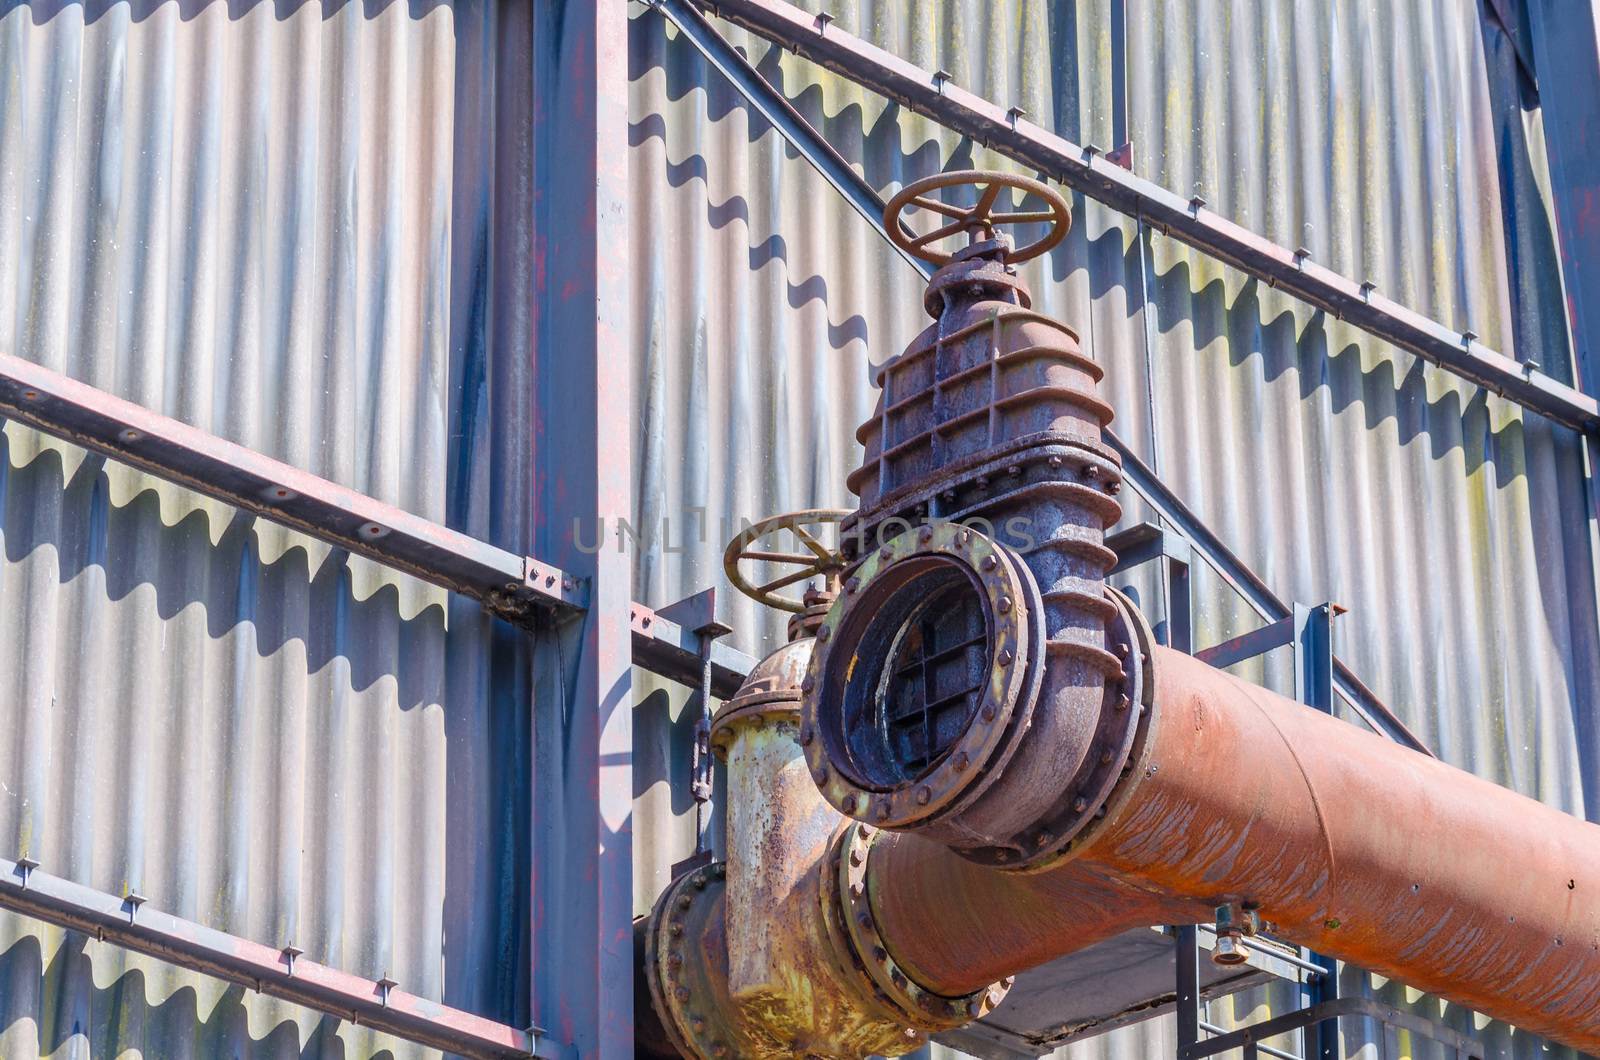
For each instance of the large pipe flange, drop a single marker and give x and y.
(847, 910)
(922, 681)
(1120, 748)
(686, 965)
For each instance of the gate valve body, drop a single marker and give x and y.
(974, 608)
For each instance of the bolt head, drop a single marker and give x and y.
(849, 804)
(1004, 605)
(824, 635)
(962, 761)
(807, 737)
(820, 775)
(988, 712)
(1005, 657)
(924, 795)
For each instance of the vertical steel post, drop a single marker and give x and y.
(1188, 947)
(1566, 50)
(1313, 686)
(582, 886)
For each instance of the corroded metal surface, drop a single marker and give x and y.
(1346, 842)
(990, 418)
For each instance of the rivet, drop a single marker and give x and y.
(885, 552)
(963, 536)
(924, 795)
(700, 881)
(697, 1022)
(1122, 650)
(684, 901)
(864, 919)
(988, 712)
(898, 978)
(1105, 758)
(1007, 981)
(1004, 605)
(718, 1049)
(1041, 839)
(1005, 657)
(880, 954)
(863, 831)
(962, 761)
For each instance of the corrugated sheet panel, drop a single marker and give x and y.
(1392, 140)
(270, 221)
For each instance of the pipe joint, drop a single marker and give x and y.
(853, 928)
(935, 702)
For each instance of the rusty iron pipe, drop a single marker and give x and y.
(1350, 844)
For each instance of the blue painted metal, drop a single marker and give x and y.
(1312, 639)
(1566, 49)
(582, 887)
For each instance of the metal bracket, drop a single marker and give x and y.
(698, 613)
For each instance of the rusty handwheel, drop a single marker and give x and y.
(816, 559)
(978, 221)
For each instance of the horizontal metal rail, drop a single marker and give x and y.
(1085, 169)
(1249, 1038)
(131, 923)
(515, 587)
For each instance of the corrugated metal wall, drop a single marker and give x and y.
(274, 221)
(271, 221)
(1391, 140)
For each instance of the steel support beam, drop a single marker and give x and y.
(279, 972)
(572, 186)
(131, 434)
(779, 113)
(515, 587)
(1085, 169)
